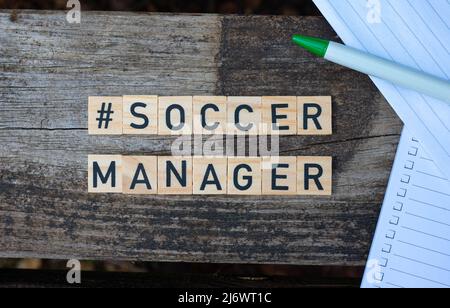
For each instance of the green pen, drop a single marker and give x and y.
(377, 67)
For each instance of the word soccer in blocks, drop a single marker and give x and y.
(202, 175)
(187, 115)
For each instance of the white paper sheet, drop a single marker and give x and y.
(412, 32)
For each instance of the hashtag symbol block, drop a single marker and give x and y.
(105, 115)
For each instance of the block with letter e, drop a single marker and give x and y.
(279, 115)
(140, 115)
(314, 115)
(105, 173)
(314, 175)
(105, 115)
(279, 175)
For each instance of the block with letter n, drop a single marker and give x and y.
(174, 175)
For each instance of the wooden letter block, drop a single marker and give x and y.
(174, 175)
(210, 176)
(105, 115)
(279, 115)
(140, 115)
(140, 175)
(279, 175)
(314, 175)
(244, 115)
(210, 115)
(314, 115)
(244, 176)
(175, 115)
(105, 173)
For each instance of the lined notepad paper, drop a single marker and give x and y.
(412, 32)
(411, 247)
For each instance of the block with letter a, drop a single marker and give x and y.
(210, 176)
(105, 173)
(140, 175)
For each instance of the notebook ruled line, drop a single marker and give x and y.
(429, 204)
(420, 262)
(428, 234)
(438, 15)
(394, 285)
(427, 159)
(428, 219)
(420, 277)
(432, 190)
(432, 175)
(424, 248)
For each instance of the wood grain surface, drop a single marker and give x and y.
(48, 68)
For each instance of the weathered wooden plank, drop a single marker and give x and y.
(48, 69)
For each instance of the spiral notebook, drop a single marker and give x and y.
(411, 247)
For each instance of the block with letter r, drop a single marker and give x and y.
(105, 173)
(314, 115)
(314, 175)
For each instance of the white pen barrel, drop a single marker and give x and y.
(387, 70)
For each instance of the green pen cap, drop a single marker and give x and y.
(314, 45)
